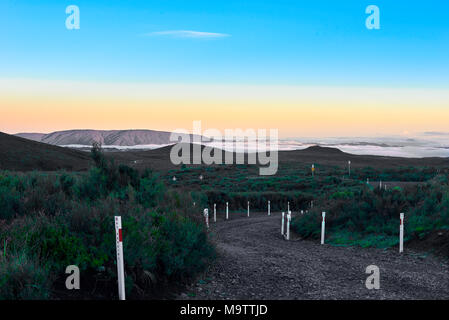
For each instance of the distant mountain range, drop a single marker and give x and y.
(115, 140)
(105, 137)
(21, 154)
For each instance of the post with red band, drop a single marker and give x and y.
(323, 226)
(401, 233)
(119, 247)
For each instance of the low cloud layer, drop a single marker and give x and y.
(436, 133)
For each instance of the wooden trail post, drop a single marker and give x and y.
(349, 167)
(282, 223)
(289, 218)
(401, 233)
(323, 227)
(119, 248)
(206, 217)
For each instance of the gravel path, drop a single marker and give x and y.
(255, 262)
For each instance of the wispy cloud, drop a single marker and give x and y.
(188, 34)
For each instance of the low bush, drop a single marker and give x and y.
(370, 217)
(48, 222)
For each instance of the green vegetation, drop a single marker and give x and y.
(357, 213)
(369, 217)
(51, 220)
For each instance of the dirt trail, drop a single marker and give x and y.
(255, 262)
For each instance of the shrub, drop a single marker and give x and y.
(371, 217)
(71, 221)
(23, 278)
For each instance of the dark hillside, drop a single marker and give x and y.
(21, 154)
(159, 159)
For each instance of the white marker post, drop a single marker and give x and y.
(282, 223)
(215, 212)
(401, 233)
(302, 211)
(227, 211)
(248, 209)
(323, 226)
(269, 207)
(349, 167)
(206, 217)
(289, 218)
(119, 247)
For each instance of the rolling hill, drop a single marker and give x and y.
(21, 154)
(159, 159)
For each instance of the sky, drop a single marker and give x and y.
(307, 68)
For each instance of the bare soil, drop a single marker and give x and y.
(255, 262)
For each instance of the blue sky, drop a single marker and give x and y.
(268, 42)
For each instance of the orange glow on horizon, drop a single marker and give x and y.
(313, 115)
